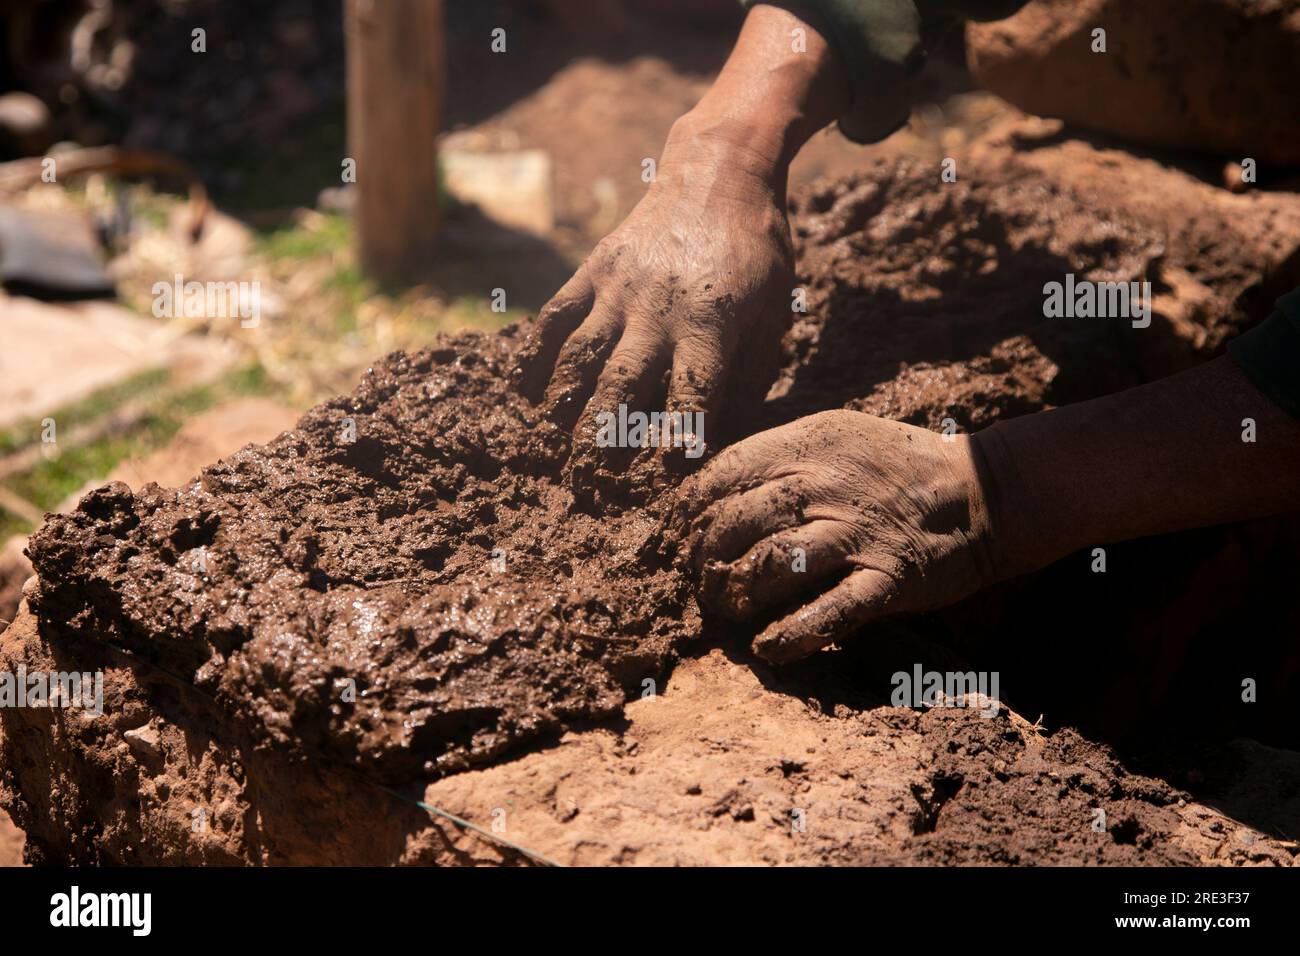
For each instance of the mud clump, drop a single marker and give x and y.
(401, 590)
(396, 583)
(1164, 79)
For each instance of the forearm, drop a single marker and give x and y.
(771, 96)
(800, 65)
(1158, 458)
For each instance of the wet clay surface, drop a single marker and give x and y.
(232, 614)
(925, 300)
(290, 569)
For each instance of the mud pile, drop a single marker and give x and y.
(395, 583)
(1156, 72)
(400, 590)
(926, 298)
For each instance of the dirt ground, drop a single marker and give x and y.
(11, 842)
(621, 109)
(401, 597)
(733, 765)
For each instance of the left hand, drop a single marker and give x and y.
(857, 516)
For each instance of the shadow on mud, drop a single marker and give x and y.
(1159, 658)
(1183, 655)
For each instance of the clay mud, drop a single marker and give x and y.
(402, 592)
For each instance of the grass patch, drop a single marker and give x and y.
(50, 482)
(327, 235)
(93, 406)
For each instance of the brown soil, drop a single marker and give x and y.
(949, 278)
(11, 843)
(203, 439)
(210, 435)
(732, 758)
(1192, 74)
(231, 614)
(621, 110)
(371, 560)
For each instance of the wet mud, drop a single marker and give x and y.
(401, 592)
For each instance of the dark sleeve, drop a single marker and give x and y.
(1269, 353)
(881, 44)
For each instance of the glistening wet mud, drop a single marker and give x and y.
(397, 583)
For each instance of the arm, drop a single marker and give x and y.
(892, 519)
(695, 285)
(766, 103)
(699, 276)
(1157, 458)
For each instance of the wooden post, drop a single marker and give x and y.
(395, 77)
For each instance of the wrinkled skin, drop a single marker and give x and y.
(891, 519)
(683, 307)
(699, 269)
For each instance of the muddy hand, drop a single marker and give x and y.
(682, 308)
(653, 321)
(844, 516)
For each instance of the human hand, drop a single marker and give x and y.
(696, 284)
(857, 516)
(678, 310)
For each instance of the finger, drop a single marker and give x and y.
(578, 366)
(863, 596)
(699, 371)
(760, 457)
(555, 323)
(737, 523)
(630, 379)
(778, 569)
(732, 470)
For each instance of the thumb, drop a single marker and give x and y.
(865, 595)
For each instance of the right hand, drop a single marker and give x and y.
(694, 286)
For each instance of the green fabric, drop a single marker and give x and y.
(880, 41)
(969, 9)
(1269, 354)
